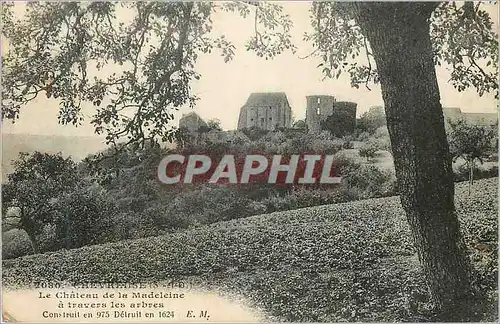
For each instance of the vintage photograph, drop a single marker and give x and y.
(249, 161)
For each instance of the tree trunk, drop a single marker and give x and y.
(472, 172)
(399, 37)
(29, 228)
(469, 165)
(32, 238)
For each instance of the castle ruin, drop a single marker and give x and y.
(321, 107)
(266, 110)
(191, 122)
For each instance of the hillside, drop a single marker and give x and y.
(351, 261)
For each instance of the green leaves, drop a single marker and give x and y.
(471, 142)
(463, 37)
(138, 70)
(268, 42)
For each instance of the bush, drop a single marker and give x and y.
(351, 262)
(256, 208)
(47, 240)
(134, 225)
(165, 218)
(348, 144)
(368, 150)
(15, 243)
(254, 133)
(462, 172)
(84, 217)
(205, 205)
(372, 182)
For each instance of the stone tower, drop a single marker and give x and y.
(346, 111)
(191, 121)
(319, 107)
(266, 110)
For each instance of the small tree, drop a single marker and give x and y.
(83, 216)
(36, 181)
(371, 120)
(470, 142)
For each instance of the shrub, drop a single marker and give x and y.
(363, 137)
(368, 150)
(205, 205)
(372, 181)
(84, 217)
(306, 197)
(254, 133)
(15, 243)
(256, 208)
(348, 143)
(47, 240)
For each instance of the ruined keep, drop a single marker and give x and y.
(321, 107)
(318, 109)
(265, 110)
(192, 122)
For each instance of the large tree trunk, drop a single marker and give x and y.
(399, 37)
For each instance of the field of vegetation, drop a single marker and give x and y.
(351, 261)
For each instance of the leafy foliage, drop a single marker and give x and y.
(369, 149)
(84, 216)
(463, 38)
(135, 73)
(470, 141)
(371, 120)
(339, 124)
(36, 181)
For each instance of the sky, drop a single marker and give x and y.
(224, 87)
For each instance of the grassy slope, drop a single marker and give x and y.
(351, 261)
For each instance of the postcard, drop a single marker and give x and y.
(249, 161)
